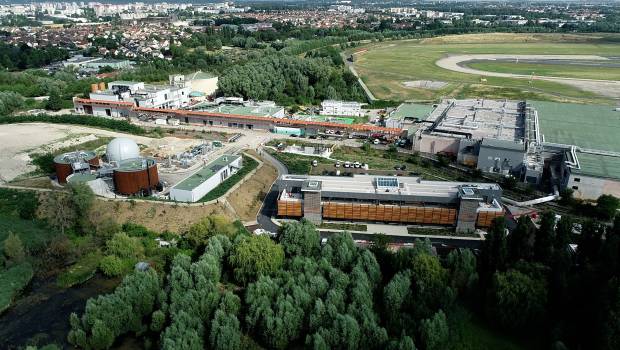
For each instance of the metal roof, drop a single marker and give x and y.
(206, 172)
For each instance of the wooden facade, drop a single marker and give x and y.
(290, 208)
(389, 213)
(485, 218)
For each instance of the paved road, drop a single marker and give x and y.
(369, 94)
(269, 208)
(606, 88)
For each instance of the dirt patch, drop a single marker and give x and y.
(19, 140)
(154, 215)
(425, 84)
(248, 198)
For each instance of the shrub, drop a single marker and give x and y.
(111, 266)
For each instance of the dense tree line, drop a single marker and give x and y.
(532, 282)
(290, 79)
(117, 125)
(295, 292)
(23, 56)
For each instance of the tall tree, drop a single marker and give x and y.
(520, 240)
(256, 256)
(545, 236)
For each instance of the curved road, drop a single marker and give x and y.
(269, 208)
(608, 88)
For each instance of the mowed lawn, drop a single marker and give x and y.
(550, 70)
(385, 66)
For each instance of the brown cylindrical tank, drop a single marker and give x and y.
(63, 163)
(101, 85)
(94, 87)
(129, 179)
(94, 163)
(62, 172)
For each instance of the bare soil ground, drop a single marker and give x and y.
(19, 140)
(153, 215)
(248, 198)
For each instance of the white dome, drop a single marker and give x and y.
(122, 148)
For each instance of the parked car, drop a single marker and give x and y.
(376, 141)
(315, 163)
(338, 164)
(357, 164)
(347, 164)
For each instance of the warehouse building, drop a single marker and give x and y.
(407, 200)
(197, 185)
(589, 173)
(493, 136)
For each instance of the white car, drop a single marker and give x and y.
(376, 141)
(347, 164)
(357, 164)
(338, 164)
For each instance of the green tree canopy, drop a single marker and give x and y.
(256, 256)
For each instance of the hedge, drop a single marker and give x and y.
(99, 122)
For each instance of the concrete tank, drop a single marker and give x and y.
(94, 87)
(101, 85)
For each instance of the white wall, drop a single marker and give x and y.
(586, 187)
(205, 187)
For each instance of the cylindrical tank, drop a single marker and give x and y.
(94, 87)
(134, 176)
(65, 164)
(101, 85)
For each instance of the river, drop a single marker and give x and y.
(41, 316)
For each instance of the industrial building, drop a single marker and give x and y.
(95, 63)
(197, 185)
(260, 118)
(342, 108)
(121, 95)
(407, 200)
(494, 136)
(199, 81)
(123, 171)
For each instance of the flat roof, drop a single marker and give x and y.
(206, 172)
(411, 110)
(586, 126)
(326, 118)
(135, 164)
(481, 118)
(598, 165)
(73, 157)
(407, 185)
(259, 111)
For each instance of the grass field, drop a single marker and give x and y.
(552, 70)
(385, 66)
